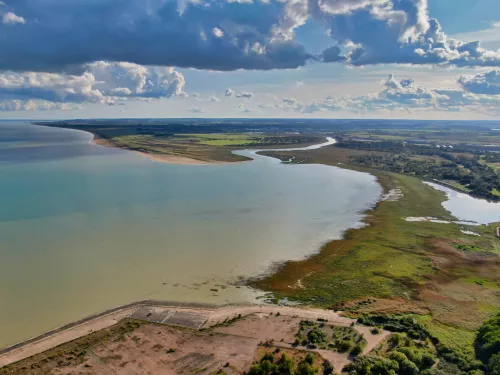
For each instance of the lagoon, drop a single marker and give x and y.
(84, 227)
(467, 208)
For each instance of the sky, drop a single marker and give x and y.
(415, 59)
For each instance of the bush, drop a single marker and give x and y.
(286, 365)
(327, 368)
(408, 368)
(344, 346)
(493, 367)
(267, 357)
(316, 336)
(357, 350)
(396, 323)
(488, 339)
(427, 361)
(309, 359)
(305, 368)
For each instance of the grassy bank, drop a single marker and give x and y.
(450, 279)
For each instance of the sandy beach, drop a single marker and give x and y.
(169, 159)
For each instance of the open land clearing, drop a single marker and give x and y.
(171, 339)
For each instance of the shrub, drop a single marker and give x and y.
(494, 365)
(344, 346)
(488, 339)
(286, 365)
(316, 336)
(427, 361)
(309, 359)
(305, 369)
(327, 368)
(358, 348)
(267, 357)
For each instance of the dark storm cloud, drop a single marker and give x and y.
(217, 35)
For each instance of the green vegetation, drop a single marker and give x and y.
(466, 248)
(459, 166)
(447, 277)
(412, 350)
(328, 337)
(488, 343)
(286, 365)
(204, 147)
(196, 139)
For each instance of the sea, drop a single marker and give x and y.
(85, 227)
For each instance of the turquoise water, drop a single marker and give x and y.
(85, 227)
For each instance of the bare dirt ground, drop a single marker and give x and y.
(168, 351)
(63, 337)
(148, 347)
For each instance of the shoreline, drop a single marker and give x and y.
(184, 160)
(168, 159)
(205, 315)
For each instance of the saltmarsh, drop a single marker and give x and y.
(395, 266)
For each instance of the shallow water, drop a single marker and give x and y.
(465, 207)
(84, 227)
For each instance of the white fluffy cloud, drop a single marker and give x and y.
(400, 32)
(55, 52)
(225, 35)
(10, 18)
(482, 83)
(102, 82)
(30, 105)
(405, 95)
(241, 94)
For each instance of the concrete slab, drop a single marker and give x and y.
(185, 319)
(155, 314)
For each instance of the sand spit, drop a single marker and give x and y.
(173, 159)
(169, 159)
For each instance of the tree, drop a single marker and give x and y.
(327, 368)
(488, 339)
(493, 367)
(305, 369)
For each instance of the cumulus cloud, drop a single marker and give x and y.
(226, 35)
(217, 35)
(102, 82)
(482, 83)
(30, 105)
(399, 32)
(403, 95)
(71, 52)
(242, 94)
(332, 54)
(10, 18)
